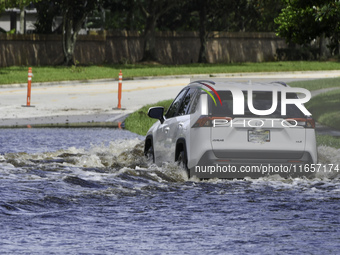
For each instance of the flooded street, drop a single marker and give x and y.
(91, 191)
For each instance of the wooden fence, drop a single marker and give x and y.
(127, 47)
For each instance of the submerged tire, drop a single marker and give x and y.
(149, 154)
(183, 161)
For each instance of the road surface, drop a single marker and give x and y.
(93, 103)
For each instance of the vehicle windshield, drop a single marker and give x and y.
(262, 100)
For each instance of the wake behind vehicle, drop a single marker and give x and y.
(235, 130)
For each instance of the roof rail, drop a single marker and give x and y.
(281, 83)
(202, 81)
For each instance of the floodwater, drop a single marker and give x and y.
(90, 191)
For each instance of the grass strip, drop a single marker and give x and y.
(18, 74)
(328, 140)
(139, 122)
(325, 108)
(316, 84)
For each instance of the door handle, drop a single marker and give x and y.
(166, 130)
(181, 125)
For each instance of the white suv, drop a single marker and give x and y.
(212, 130)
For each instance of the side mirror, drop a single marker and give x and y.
(156, 113)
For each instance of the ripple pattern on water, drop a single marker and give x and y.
(93, 192)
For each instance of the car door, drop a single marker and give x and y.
(175, 124)
(163, 138)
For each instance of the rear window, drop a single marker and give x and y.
(262, 100)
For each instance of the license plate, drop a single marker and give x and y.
(258, 136)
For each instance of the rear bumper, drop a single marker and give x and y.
(253, 164)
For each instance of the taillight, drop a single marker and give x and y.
(303, 122)
(208, 121)
(310, 123)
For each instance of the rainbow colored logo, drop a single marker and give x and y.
(213, 90)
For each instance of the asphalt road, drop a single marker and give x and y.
(93, 103)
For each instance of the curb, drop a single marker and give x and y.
(68, 121)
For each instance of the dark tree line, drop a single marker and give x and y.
(298, 21)
(304, 21)
(204, 16)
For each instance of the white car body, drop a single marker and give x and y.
(213, 142)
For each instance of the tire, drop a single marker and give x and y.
(182, 161)
(149, 154)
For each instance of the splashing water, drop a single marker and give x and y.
(92, 191)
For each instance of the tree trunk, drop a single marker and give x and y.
(68, 47)
(71, 29)
(150, 40)
(22, 20)
(130, 19)
(202, 57)
(153, 10)
(337, 43)
(322, 47)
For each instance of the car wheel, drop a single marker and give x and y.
(182, 161)
(149, 154)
